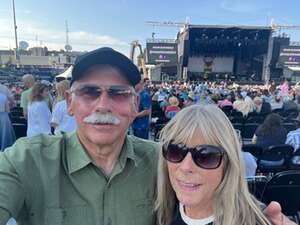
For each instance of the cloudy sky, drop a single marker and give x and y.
(115, 23)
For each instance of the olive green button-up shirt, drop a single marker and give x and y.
(51, 180)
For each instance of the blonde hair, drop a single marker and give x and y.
(37, 92)
(173, 101)
(61, 88)
(233, 204)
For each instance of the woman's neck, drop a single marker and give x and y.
(198, 212)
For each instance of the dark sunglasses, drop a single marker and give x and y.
(117, 93)
(204, 156)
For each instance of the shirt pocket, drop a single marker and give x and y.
(144, 211)
(76, 215)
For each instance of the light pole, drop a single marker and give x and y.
(15, 28)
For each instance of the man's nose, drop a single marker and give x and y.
(103, 100)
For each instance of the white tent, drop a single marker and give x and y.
(67, 74)
(294, 68)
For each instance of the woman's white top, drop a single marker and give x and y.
(190, 221)
(3, 100)
(60, 117)
(39, 118)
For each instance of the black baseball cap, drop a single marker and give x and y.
(106, 56)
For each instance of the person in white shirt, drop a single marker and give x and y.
(293, 137)
(39, 115)
(61, 121)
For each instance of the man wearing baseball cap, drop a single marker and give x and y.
(96, 175)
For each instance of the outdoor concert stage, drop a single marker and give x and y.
(225, 52)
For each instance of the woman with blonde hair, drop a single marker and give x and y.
(39, 114)
(61, 120)
(201, 172)
(60, 90)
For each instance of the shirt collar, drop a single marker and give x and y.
(127, 152)
(78, 158)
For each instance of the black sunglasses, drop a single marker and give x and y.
(204, 156)
(117, 93)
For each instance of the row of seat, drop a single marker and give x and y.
(274, 159)
(248, 129)
(283, 187)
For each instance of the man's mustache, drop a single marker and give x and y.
(101, 118)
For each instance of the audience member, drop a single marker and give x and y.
(7, 134)
(271, 132)
(61, 120)
(39, 114)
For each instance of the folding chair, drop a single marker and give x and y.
(289, 126)
(227, 110)
(255, 150)
(249, 130)
(275, 159)
(20, 129)
(257, 185)
(284, 187)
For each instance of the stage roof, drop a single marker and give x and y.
(230, 27)
(247, 41)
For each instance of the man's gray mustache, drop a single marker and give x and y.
(102, 118)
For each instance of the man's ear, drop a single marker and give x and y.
(68, 96)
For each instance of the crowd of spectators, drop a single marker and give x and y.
(168, 98)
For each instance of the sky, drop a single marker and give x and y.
(116, 23)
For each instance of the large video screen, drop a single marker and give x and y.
(289, 56)
(211, 64)
(161, 52)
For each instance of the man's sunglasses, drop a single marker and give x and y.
(204, 156)
(91, 93)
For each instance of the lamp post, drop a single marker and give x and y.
(15, 28)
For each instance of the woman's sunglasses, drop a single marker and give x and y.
(204, 156)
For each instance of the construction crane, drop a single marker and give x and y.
(167, 23)
(280, 27)
(181, 25)
(140, 59)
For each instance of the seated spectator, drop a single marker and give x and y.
(277, 103)
(242, 106)
(271, 132)
(261, 107)
(293, 137)
(266, 96)
(173, 108)
(250, 164)
(290, 105)
(225, 102)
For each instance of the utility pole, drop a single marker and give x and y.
(15, 28)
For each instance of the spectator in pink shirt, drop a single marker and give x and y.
(226, 102)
